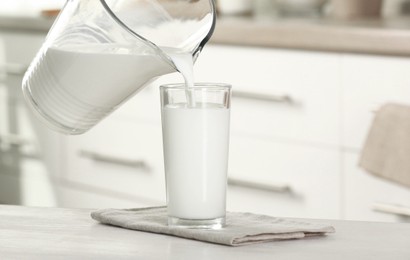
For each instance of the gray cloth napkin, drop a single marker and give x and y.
(387, 148)
(240, 229)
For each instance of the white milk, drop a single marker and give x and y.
(196, 160)
(78, 86)
(185, 65)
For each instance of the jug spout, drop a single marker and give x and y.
(182, 24)
(98, 54)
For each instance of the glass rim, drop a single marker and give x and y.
(197, 86)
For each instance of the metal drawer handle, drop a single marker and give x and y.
(392, 209)
(285, 189)
(16, 140)
(13, 69)
(287, 99)
(140, 164)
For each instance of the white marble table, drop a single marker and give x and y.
(50, 233)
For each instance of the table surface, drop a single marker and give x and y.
(42, 233)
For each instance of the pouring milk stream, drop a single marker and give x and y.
(99, 53)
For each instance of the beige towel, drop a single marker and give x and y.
(386, 152)
(241, 228)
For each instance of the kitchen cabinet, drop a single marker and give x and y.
(298, 123)
(39, 167)
(278, 92)
(281, 179)
(120, 156)
(284, 145)
(123, 154)
(29, 153)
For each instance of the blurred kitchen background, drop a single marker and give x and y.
(309, 77)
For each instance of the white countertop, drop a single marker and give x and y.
(26, 23)
(380, 36)
(42, 233)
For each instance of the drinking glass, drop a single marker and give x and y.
(195, 129)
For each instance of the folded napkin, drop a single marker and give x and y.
(240, 229)
(387, 148)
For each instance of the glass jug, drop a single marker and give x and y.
(99, 53)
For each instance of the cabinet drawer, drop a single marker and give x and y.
(282, 179)
(286, 94)
(121, 157)
(368, 83)
(365, 194)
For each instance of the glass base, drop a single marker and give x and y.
(215, 223)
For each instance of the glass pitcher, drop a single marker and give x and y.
(99, 53)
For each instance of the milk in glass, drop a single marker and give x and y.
(196, 160)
